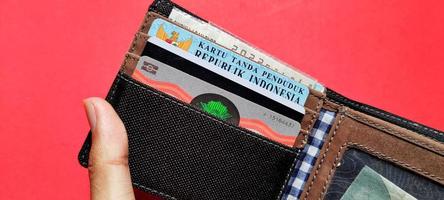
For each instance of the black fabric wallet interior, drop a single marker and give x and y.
(178, 152)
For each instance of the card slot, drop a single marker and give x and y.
(140, 40)
(179, 152)
(129, 66)
(131, 61)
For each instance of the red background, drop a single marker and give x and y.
(54, 53)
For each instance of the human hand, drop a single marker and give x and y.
(109, 174)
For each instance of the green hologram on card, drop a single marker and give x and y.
(217, 109)
(369, 185)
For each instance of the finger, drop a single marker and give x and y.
(108, 159)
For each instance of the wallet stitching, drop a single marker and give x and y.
(320, 96)
(113, 90)
(195, 111)
(392, 117)
(375, 153)
(389, 158)
(287, 177)
(153, 191)
(125, 62)
(145, 21)
(372, 152)
(335, 163)
(303, 133)
(324, 155)
(139, 36)
(405, 121)
(133, 44)
(394, 132)
(313, 117)
(331, 106)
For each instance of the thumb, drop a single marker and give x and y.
(108, 159)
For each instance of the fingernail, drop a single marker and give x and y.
(90, 112)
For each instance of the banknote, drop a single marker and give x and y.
(188, 86)
(371, 185)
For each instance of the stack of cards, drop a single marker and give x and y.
(222, 76)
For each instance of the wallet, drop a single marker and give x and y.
(344, 150)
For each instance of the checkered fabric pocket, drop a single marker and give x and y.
(309, 154)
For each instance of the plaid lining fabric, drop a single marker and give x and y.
(309, 154)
